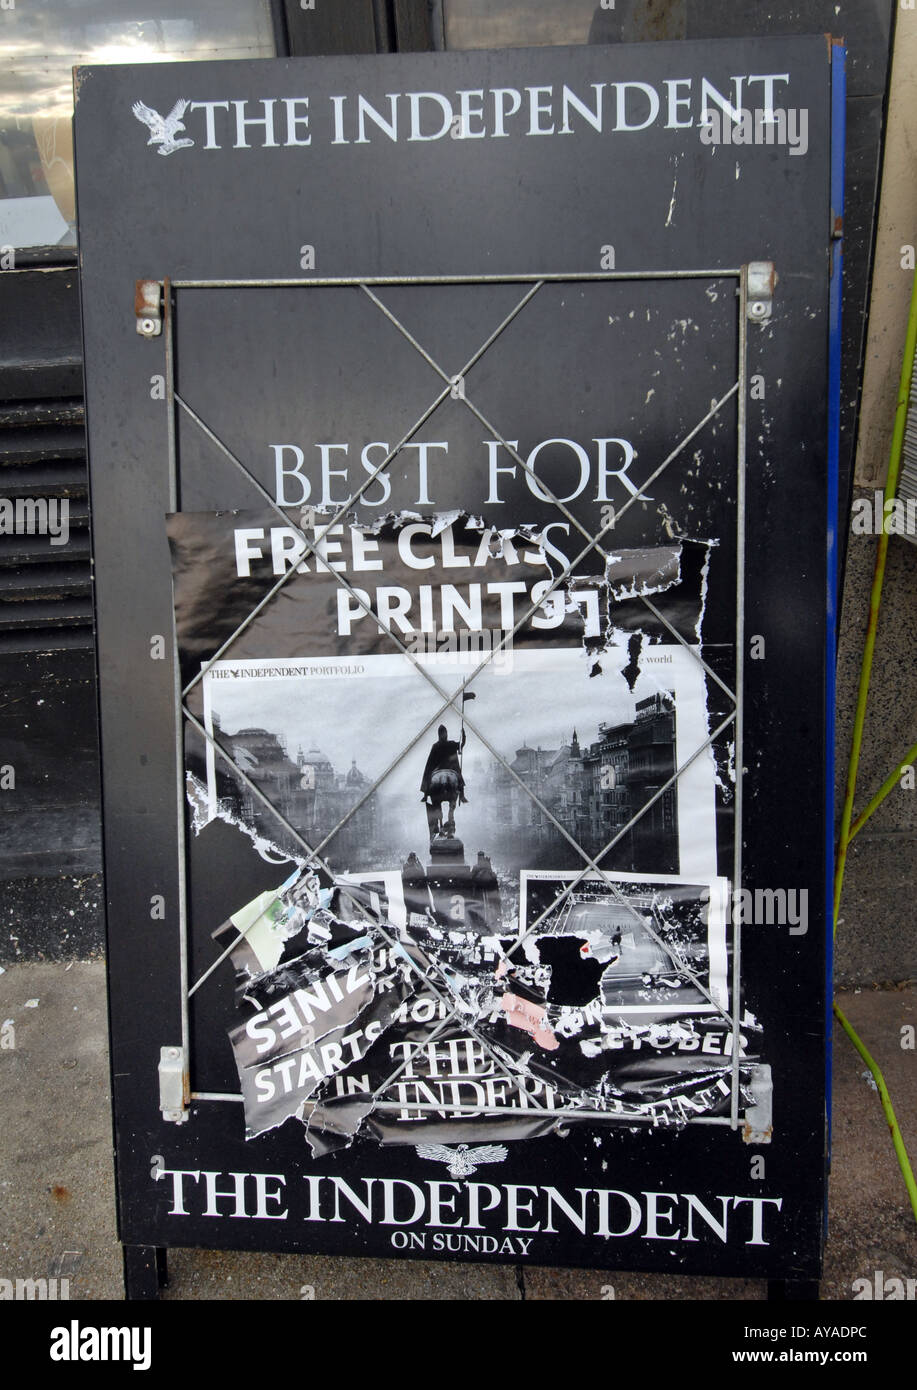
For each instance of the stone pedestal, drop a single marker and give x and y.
(462, 896)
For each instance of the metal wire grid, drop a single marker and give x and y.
(591, 867)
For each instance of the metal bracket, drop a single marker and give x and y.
(759, 1117)
(173, 1085)
(148, 307)
(760, 283)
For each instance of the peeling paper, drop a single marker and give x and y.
(428, 985)
(597, 1011)
(640, 573)
(203, 811)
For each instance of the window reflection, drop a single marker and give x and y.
(41, 40)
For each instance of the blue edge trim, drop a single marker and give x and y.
(838, 131)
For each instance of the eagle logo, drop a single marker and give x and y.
(163, 128)
(462, 1161)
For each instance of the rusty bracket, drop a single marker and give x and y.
(761, 281)
(174, 1088)
(759, 1117)
(148, 307)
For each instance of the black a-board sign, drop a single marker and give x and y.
(463, 440)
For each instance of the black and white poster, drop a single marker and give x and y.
(462, 566)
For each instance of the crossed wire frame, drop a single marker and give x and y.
(434, 976)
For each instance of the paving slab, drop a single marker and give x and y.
(56, 1176)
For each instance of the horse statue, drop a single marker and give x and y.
(444, 787)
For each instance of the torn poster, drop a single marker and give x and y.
(497, 787)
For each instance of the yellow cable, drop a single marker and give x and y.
(897, 1140)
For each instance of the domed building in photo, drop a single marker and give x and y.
(307, 790)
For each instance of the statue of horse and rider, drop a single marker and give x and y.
(443, 783)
